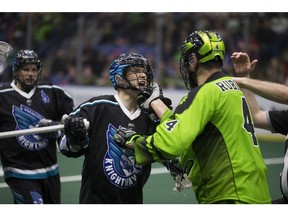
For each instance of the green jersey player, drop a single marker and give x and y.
(211, 130)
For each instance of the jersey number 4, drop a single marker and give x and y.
(248, 125)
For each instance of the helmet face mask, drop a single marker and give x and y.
(189, 77)
(21, 59)
(205, 46)
(132, 63)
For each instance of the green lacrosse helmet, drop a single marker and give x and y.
(206, 45)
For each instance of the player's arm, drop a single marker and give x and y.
(269, 90)
(159, 107)
(173, 135)
(260, 117)
(243, 68)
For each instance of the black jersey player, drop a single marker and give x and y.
(109, 173)
(30, 161)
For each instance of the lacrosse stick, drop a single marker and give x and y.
(38, 130)
(5, 50)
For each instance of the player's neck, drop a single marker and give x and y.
(128, 100)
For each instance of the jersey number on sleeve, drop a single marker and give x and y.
(248, 125)
(170, 125)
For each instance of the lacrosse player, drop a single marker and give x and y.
(110, 174)
(211, 130)
(274, 121)
(29, 161)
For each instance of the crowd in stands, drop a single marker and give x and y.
(77, 48)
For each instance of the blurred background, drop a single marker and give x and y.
(78, 48)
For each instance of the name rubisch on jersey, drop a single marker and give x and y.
(226, 85)
(119, 164)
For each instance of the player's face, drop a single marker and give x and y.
(137, 77)
(28, 76)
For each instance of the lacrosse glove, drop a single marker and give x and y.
(145, 98)
(76, 133)
(124, 137)
(174, 167)
(178, 174)
(49, 135)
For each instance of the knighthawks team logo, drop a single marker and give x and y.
(26, 118)
(44, 97)
(119, 164)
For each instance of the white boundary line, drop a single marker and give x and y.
(154, 171)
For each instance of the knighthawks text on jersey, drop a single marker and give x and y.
(119, 164)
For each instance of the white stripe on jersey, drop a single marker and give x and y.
(36, 171)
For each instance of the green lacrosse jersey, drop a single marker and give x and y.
(212, 131)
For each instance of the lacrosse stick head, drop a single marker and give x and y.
(5, 50)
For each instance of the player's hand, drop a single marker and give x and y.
(49, 135)
(76, 133)
(177, 172)
(242, 64)
(144, 100)
(125, 138)
(174, 167)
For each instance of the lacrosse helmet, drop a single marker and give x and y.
(125, 61)
(205, 46)
(22, 58)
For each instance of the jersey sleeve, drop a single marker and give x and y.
(278, 120)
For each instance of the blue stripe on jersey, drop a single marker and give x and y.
(94, 103)
(31, 174)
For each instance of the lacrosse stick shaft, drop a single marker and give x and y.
(36, 130)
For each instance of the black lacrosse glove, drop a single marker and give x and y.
(124, 137)
(76, 133)
(174, 167)
(49, 135)
(177, 172)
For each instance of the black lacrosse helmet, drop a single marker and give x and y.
(23, 57)
(127, 60)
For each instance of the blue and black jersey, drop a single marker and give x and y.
(110, 174)
(30, 156)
